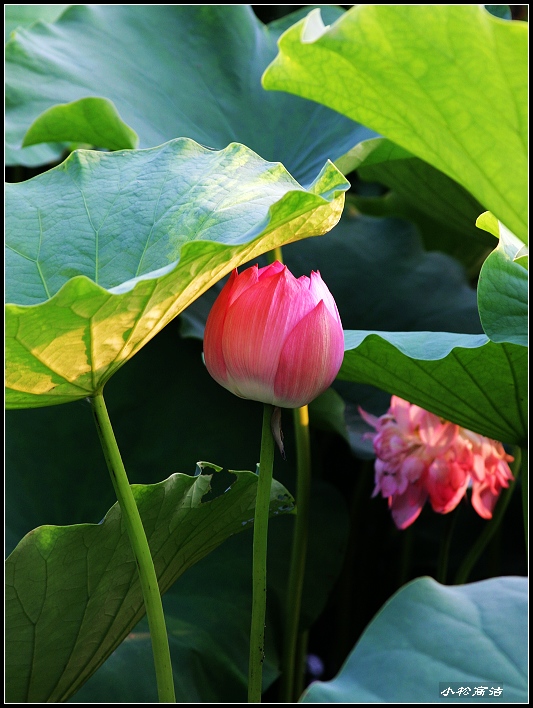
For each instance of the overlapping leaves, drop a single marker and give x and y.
(444, 212)
(196, 74)
(207, 609)
(447, 83)
(73, 592)
(104, 250)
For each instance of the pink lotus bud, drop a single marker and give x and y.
(273, 338)
(419, 456)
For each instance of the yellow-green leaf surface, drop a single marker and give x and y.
(105, 249)
(465, 378)
(444, 212)
(73, 592)
(449, 83)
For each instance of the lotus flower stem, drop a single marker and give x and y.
(492, 526)
(141, 551)
(291, 662)
(262, 507)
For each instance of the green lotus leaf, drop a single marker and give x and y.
(464, 378)
(428, 636)
(196, 74)
(90, 120)
(448, 83)
(73, 592)
(503, 288)
(444, 212)
(104, 250)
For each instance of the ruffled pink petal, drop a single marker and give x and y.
(413, 468)
(401, 410)
(310, 359)
(406, 508)
(483, 500)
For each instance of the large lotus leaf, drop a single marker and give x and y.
(464, 378)
(201, 623)
(60, 577)
(429, 636)
(503, 289)
(444, 211)
(197, 74)
(448, 83)
(104, 250)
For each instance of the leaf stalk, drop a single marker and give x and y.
(141, 550)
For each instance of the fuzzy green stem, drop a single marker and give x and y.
(289, 668)
(488, 532)
(259, 560)
(141, 551)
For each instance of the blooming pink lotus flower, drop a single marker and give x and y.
(273, 338)
(421, 457)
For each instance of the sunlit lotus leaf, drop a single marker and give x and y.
(448, 83)
(104, 250)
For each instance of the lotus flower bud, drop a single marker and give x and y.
(274, 338)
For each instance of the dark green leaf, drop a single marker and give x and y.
(503, 291)
(444, 211)
(59, 578)
(466, 379)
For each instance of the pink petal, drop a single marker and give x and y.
(310, 359)
(369, 418)
(270, 270)
(256, 327)
(406, 508)
(483, 500)
(242, 282)
(320, 291)
(401, 410)
(214, 359)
